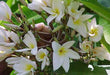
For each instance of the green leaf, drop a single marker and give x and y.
(79, 68)
(98, 8)
(105, 44)
(3, 0)
(105, 3)
(31, 15)
(57, 28)
(13, 73)
(106, 27)
(9, 2)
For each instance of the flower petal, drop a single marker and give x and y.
(13, 60)
(57, 61)
(86, 17)
(48, 10)
(66, 64)
(50, 18)
(43, 64)
(7, 44)
(34, 51)
(73, 55)
(68, 44)
(55, 45)
(70, 23)
(22, 50)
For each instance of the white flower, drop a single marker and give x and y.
(101, 53)
(5, 11)
(5, 52)
(42, 56)
(62, 54)
(38, 4)
(78, 24)
(22, 66)
(86, 46)
(30, 41)
(73, 9)
(95, 31)
(57, 11)
(4, 38)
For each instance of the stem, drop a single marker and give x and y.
(23, 2)
(26, 23)
(45, 41)
(16, 18)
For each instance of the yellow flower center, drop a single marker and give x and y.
(62, 51)
(77, 22)
(7, 16)
(28, 67)
(73, 11)
(56, 11)
(32, 46)
(42, 55)
(45, 2)
(94, 32)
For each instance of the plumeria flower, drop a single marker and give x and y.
(38, 4)
(57, 11)
(73, 9)
(79, 24)
(62, 54)
(22, 66)
(101, 53)
(30, 41)
(42, 56)
(95, 31)
(86, 46)
(5, 11)
(5, 52)
(4, 38)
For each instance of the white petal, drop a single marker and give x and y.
(22, 50)
(57, 61)
(35, 6)
(34, 51)
(29, 39)
(68, 44)
(19, 67)
(5, 11)
(70, 23)
(58, 18)
(86, 17)
(66, 64)
(22, 73)
(55, 45)
(50, 18)
(82, 30)
(7, 44)
(13, 60)
(73, 55)
(13, 36)
(43, 64)
(48, 10)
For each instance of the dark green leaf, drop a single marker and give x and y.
(98, 8)
(79, 68)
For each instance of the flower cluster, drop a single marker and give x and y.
(28, 46)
